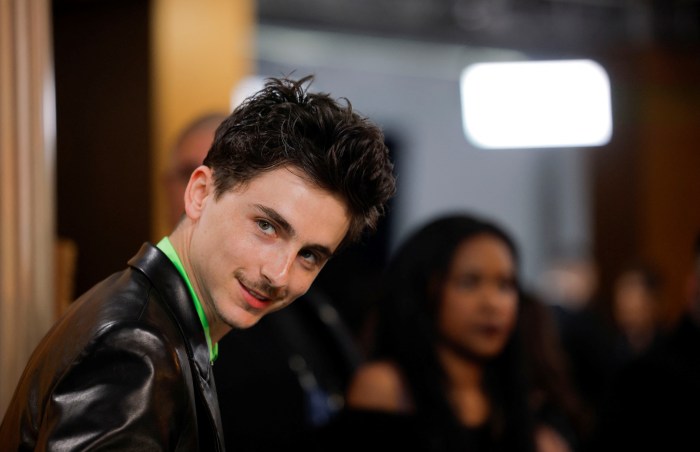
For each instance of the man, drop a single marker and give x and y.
(292, 367)
(291, 178)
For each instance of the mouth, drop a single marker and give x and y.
(490, 330)
(254, 298)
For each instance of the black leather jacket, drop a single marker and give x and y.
(127, 368)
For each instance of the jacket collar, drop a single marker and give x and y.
(162, 273)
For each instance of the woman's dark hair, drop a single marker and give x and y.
(554, 397)
(333, 146)
(406, 333)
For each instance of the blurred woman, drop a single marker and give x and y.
(447, 371)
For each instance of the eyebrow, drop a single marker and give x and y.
(289, 230)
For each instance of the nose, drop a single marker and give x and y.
(277, 267)
(492, 296)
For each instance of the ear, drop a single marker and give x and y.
(199, 189)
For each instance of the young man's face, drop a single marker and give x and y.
(258, 247)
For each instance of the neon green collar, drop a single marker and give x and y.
(165, 246)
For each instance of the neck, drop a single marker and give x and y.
(181, 238)
(465, 389)
(461, 369)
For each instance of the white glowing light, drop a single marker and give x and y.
(536, 104)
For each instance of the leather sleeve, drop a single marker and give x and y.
(124, 392)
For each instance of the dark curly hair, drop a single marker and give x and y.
(334, 147)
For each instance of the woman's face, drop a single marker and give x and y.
(480, 298)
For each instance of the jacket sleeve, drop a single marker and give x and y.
(125, 392)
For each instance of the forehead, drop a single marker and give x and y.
(316, 215)
(483, 251)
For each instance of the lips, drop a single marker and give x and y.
(254, 299)
(489, 330)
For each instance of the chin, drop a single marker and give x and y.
(491, 352)
(241, 319)
(246, 322)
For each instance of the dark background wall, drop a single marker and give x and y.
(103, 155)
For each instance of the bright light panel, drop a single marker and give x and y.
(536, 104)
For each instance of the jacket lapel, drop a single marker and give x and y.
(172, 289)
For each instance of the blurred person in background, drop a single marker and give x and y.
(635, 310)
(447, 371)
(654, 402)
(188, 152)
(291, 178)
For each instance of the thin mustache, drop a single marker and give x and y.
(264, 288)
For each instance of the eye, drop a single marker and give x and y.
(266, 227)
(507, 285)
(469, 281)
(309, 256)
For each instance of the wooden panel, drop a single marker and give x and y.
(647, 181)
(616, 180)
(670, 133)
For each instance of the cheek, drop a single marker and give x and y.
(456, 311)
(510, 312)
(222, 257)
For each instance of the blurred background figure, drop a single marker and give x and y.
(655, 398)
(570, 283)
(286, 374)
(188, 152)
(635, 310)
(447, 371)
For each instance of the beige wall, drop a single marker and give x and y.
(201, 50)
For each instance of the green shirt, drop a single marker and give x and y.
(167, 247)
